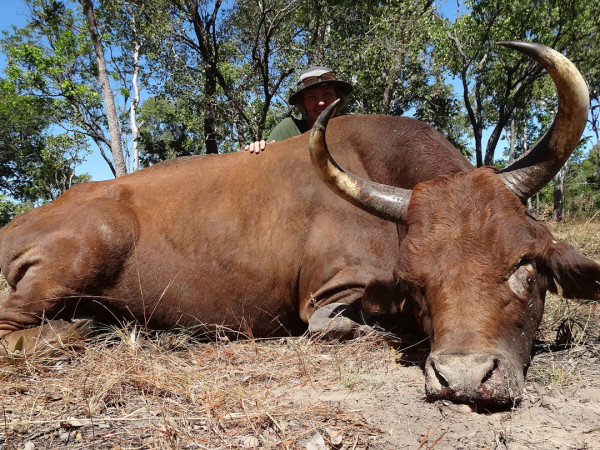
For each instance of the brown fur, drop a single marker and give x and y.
(251, 243)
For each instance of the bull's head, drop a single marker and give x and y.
(474, 262)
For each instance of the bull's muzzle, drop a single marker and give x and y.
(479, 378)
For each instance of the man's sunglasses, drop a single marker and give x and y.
(327, 76)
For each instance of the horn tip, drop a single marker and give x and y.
(533, 49)
(324, 117)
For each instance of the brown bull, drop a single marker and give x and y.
(260, 244)
(473, 262)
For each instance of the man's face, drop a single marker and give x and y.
(316, 100)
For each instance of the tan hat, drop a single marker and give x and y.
(314, 77)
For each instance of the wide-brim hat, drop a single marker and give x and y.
(314, 77)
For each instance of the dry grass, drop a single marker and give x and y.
(210, 395)
(583, 235)
(569, 334)
(125, 389)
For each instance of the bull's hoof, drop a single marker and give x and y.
(54, 336)
(337, 321)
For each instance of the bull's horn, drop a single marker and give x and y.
(386, 202)
(528, 174)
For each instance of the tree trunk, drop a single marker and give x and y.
(135, 131)
(109, 99)
(475, 115)
(135, 101)
(595, 122)
(210, 132)
(559, 196)
(510, 137)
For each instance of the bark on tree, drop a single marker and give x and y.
(559, 196)
(135, 131)
(594, 122)
(210, 121)
(135, 101)
(109, 99)
(510, 137)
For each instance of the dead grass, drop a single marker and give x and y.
(584, 235)
(223, 394)
(569, 335)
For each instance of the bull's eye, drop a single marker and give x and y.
(521, 278)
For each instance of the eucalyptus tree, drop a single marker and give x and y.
(133, 30)
(168, 131)
(112, 119)
(588, 57)
(23, 120)
(226, 62)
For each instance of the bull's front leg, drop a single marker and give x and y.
(343, 309)
(338, 321)
(336, 311)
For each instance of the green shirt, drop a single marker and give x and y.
(288, 128)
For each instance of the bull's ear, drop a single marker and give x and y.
(577, 275)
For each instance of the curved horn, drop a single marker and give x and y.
(386, 202)
(528, 174)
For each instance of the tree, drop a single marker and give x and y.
(123, 23)
(59, 56)
(495, 86)
(581, 184)
(267, 38)
(588, 51)
(229, 64)
(107, 92)
(23, 120)
(168, 131)
(34, 167)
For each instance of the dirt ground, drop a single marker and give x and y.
(131, 390)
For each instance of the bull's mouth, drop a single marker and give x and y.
(483, 379)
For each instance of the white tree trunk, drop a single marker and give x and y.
(135, 132)
(109, 99)
(510, 137)
(559, 195)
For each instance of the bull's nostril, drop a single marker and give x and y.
(440, 377)
(490, 372)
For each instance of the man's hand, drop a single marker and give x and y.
(257, 147)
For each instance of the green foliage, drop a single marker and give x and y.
(55, 171)
(499, 85)
(34, 167)
(9, 209)
(22, 123)
(37, 162)
(168, 131)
